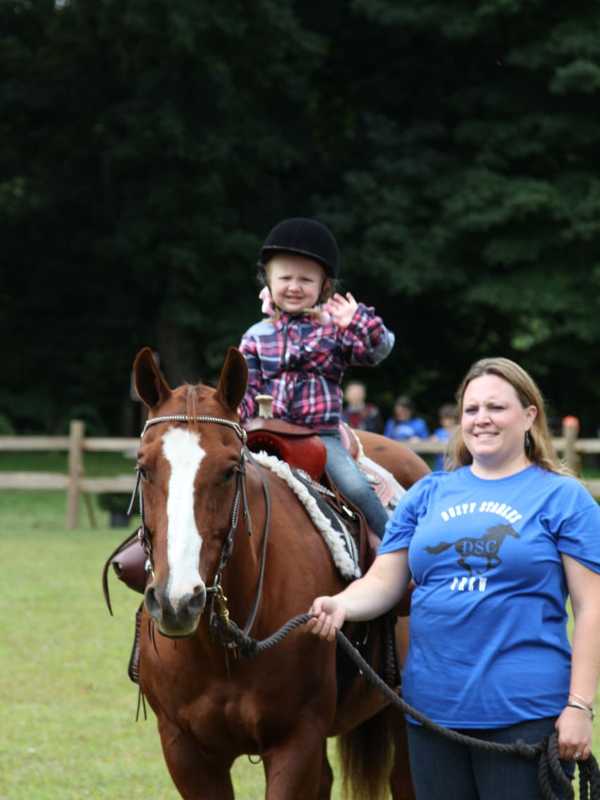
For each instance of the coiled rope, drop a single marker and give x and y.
(550, 771)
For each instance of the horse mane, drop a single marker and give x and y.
(195, 393)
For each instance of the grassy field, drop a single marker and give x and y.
(67, 708)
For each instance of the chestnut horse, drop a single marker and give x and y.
(224, 533)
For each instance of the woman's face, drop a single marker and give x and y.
(494, 422)
(295, 282)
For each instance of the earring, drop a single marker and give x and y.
(528, 441)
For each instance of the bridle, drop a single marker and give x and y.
(219, 612)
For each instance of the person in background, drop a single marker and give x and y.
(299, 353)
(448, 418)
(495, 546)
(357, 412)
(402, 425)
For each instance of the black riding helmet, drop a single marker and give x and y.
(303, 237)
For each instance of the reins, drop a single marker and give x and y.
(550, 771)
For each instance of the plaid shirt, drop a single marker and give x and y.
(301, 363)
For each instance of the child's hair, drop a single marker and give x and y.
(448, 411)
(405, 401)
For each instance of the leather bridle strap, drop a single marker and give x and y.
(240, 500)
(201, 418)
(263, 550)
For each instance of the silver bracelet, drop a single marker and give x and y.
(581, 707)
(582, 700)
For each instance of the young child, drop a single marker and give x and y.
(402, 425)
(448, 417)
(300, 352)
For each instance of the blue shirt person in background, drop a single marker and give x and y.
(495, 546)
(448, 418)
(402, 426)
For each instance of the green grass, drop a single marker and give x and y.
(67, 708)
(96, 464)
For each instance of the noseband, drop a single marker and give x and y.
(219, 613)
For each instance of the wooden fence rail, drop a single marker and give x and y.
(74, 481)
(77, 486)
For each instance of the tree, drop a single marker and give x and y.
(148, 147)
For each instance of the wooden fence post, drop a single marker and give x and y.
(76, 433)
(570, 432)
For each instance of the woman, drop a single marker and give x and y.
(494, 547)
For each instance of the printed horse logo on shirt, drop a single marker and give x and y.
(485, 547)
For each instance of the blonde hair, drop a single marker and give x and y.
(538, 441)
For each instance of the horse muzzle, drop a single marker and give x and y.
(176, 618)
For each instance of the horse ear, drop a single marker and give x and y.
(149, 381)
(233, 380)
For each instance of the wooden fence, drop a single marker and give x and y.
(74, 481)
(78, 487)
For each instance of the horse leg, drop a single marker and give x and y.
(195, 776)
(294, 769)
(326, 776)
(400, 780)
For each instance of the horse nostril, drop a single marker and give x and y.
(151, 602)
(198, 599)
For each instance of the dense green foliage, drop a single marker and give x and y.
(147, 147)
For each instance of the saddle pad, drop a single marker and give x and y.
(335, 534)
(383, 483)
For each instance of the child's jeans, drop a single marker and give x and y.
(352, 483)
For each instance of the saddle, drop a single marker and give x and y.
(303, 450)
(301, 447)
(298, 446)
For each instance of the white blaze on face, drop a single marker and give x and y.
(183, 452)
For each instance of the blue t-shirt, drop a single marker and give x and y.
(400, 430)
(488, 641)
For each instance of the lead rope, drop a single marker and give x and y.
(550, 772)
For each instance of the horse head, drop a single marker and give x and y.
(189, 456)
(501, 531)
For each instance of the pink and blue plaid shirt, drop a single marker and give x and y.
(301, 362)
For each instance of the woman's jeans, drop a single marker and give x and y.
(353, 484)
(444, 770)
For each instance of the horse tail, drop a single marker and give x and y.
(439, 548)
(366, 755)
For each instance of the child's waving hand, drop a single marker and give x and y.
(341, 309)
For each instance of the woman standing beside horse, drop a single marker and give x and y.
(494, 546)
